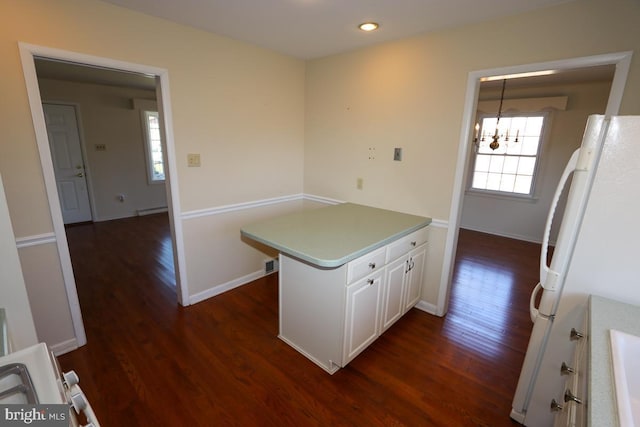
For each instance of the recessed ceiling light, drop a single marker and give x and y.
(368, 26)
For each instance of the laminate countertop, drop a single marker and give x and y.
(4, 334)
(331, 236)
(606, 314)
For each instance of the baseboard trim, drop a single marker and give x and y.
(64, 347)
(219, 289)
(321, 199)
(427, 307)
(508, 235)
(151, 211)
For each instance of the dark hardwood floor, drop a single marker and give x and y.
(150, 362)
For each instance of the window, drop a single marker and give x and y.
(510, 168)
(155, 160)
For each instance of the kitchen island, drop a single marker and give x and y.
(347, 273)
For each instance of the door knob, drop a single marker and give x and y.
(80, 174)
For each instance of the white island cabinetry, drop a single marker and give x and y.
(404, 275)
(347, 272)
(362, 315)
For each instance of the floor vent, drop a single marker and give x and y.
(270, 266)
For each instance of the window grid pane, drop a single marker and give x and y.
(509, 168)
(155, 146)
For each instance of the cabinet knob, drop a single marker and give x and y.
(372, 265)
(555, 406)
(566, 370)
(370, 281)
(70, 378)
(575, 335)
(413, 243)
(78, 401)
(569, 397)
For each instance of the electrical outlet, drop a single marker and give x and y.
(397, 154)
(359, 183)
(193, 160)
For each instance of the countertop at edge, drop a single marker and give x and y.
(4, 334)
(334, 235)
(606, 314)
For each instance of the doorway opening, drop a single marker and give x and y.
(90, 67)
(620, 61)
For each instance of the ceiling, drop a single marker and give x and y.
(308, 29)
(60, 70)
(558, 77)
(314, 28)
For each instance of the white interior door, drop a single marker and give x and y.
(68, 163)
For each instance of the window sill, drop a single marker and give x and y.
(502, 196)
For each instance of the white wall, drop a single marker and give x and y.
(239, 106)
(524, 219)
(13, 295)
(410, 93)
(107, 117)
(265, 123)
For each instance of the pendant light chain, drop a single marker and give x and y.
(495, 144)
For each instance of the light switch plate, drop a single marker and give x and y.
(193, 160)
(397, 154)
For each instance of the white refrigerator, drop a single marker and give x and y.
(596, 253)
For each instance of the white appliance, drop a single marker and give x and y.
(32, 375)
(595, 253)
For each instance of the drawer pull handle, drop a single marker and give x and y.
(566, 370)
(569, 397)
(372, 265)
(370, 281)
(413, 243)
(575, 335)
(555, 406)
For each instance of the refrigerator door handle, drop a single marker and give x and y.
(548, 277)
(533, 311)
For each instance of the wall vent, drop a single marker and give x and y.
(270, 266)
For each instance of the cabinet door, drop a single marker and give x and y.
(392, 297)
(413, 287)
(362, 315)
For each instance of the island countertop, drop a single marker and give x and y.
(334, 235)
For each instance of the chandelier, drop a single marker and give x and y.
(497, 135)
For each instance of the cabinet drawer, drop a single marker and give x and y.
(403, 245)
(368, 263)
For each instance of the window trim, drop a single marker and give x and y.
(144, 117)
(532, 195)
